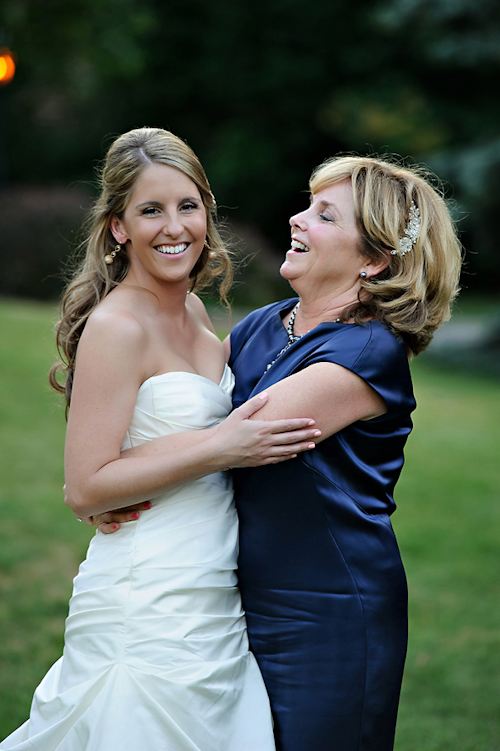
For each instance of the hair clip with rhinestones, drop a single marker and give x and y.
(410, 236)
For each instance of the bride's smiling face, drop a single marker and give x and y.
(325, 239)
(164, 225)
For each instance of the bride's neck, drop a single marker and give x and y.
(169, 297)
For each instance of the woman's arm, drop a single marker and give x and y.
(334, 397)
(107, 377)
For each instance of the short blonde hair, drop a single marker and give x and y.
(413, 296)
(127, 156)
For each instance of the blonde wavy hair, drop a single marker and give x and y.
(129, 154)
(413, 295)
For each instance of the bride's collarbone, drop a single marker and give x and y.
(185, 345)
(202, 360)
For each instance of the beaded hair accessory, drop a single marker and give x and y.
(410, 236)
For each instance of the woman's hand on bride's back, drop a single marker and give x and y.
(251, 443)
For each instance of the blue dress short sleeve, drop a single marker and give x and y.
(374, 354)
(319, 568)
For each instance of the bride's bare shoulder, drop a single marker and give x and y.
(118, 317)
(197, 307)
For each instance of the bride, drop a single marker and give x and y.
(156, 651)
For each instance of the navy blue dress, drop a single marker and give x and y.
(320, 573)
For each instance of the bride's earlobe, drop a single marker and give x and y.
(116, 230)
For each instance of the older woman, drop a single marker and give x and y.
(375, 262)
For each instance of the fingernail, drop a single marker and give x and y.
(263, 395)
(318, 432)
(312, 446)
(147, 504)
(135, 515)
(115, 527)
(311, 423)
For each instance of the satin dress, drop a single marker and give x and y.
(320, 572)
(156, 651)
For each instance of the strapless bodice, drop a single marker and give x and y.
(178, 401)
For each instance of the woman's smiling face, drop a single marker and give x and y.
(164, 225)
(324, 257)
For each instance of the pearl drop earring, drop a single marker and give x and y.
(111, 257)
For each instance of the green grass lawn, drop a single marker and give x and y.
(447, 524)
(41, 543)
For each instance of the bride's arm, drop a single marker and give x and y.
(107, 377)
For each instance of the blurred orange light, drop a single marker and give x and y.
(7, 66)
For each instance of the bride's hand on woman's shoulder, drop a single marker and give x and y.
(251, 443)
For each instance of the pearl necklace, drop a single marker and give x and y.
(292, 338)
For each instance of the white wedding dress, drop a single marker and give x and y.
(156, 651)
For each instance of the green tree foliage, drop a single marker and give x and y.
(264, 91)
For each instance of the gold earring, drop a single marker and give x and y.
(111, 257)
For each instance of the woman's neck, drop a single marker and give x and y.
(312, 312)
